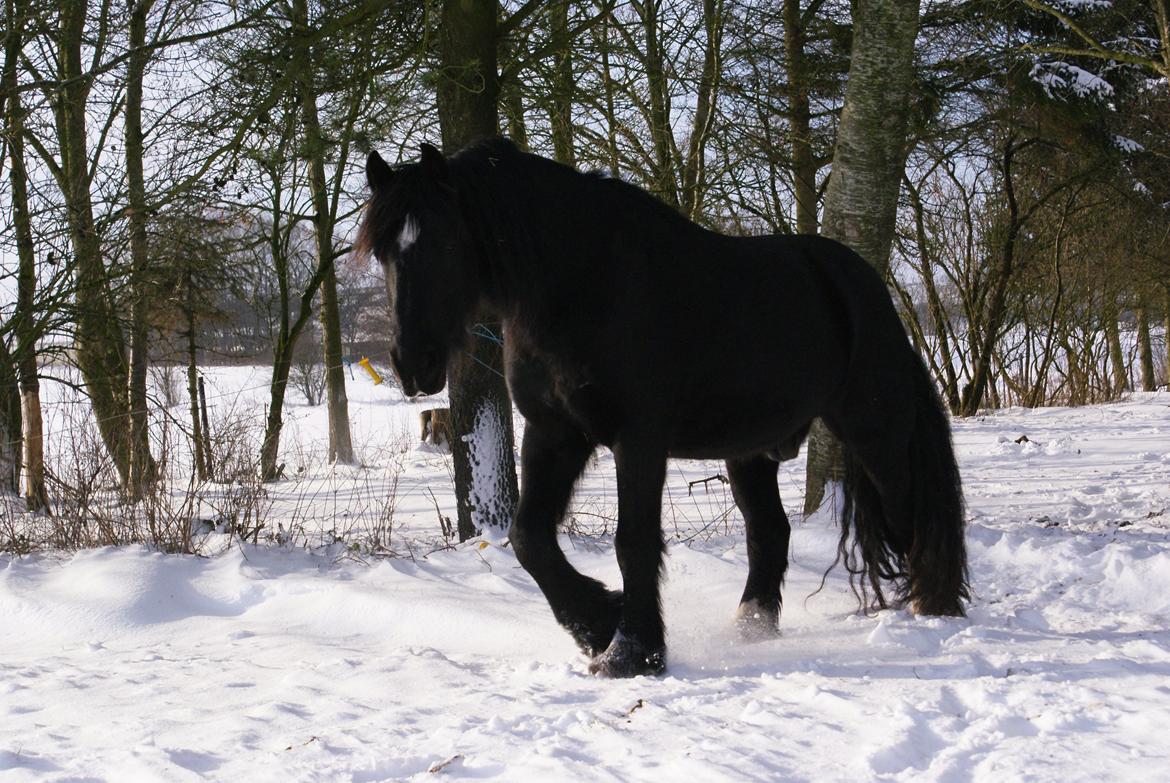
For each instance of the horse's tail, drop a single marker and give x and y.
(921, 552)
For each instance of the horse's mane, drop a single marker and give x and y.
(520, 201)
(611, 194)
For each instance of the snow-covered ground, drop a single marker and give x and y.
(287, 663)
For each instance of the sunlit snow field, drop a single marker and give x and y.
(306, 661)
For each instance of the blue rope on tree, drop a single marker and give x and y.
(481, 331)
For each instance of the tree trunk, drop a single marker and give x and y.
(1120, 373)
(1145, 346)
(804, 167)
(142, 467)
(561, 108)
(693, 185)
(514, 109)
(1077, 383)
(24, 318)
(1166, 332)
(199, 445)
(274, 423)
(611, 124)
(10, 424)
(340, 440)
(481, 412)
(101, 346)
(862, 199)
(658, 108)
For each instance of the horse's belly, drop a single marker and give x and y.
(735, 432)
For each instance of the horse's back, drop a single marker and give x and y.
(744, 341)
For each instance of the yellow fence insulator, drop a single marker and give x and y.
(365, 362)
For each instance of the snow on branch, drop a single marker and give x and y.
(1060, 79)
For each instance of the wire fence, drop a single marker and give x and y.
(398, 502)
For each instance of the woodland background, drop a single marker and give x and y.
(181, 179)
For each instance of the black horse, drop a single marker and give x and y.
(628, 326)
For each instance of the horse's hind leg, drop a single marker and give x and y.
(639, 646)
(753, 485)
(552, 457)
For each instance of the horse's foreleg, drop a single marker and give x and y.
(639, 646)
(551, 460)
(753, 485)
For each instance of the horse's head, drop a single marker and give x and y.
(413, 227)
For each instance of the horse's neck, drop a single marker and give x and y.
(510, 255)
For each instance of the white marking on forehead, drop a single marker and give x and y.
(409, 233)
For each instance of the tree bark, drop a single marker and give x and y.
(481, 412)
(862, 198)
(24, 318)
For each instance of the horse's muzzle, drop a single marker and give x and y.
(427, 375)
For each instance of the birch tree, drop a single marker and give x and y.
(861, 201)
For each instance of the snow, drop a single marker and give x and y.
(1085, 5)
(1126, 144)
(287, 663)
(487, 477)
(1060, 78)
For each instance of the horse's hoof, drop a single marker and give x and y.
(756, 622)
(595, 635)
(626, 657)
(938, 608)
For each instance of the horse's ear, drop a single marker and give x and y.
(378, 171)
(434, 165)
